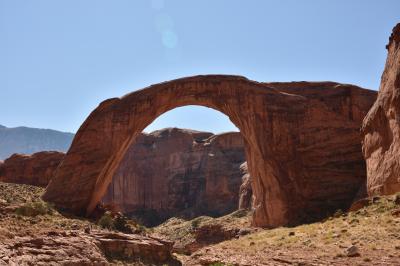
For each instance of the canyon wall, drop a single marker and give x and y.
(381, 127)
(178, 172)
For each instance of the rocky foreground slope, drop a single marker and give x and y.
(367, 236)
(33, 232)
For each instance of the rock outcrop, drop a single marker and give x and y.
(32, 233)
(36, 169)
(132, 246)
(75, 247)
(302, 142)
(177, 172)
(381, 127)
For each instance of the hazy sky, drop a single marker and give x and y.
(60, 59)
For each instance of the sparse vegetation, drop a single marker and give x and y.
(34, 208)
(373, 229)
(106, 221)
(196, 222)
(121, 223)
(218, 264)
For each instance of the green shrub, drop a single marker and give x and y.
(122, 224)
(196, 222)
(239, 213)
(141, 228)
(106, 221)
(34, 208)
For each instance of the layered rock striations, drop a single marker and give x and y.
(36, 169)
(177, 172)
(381, 127)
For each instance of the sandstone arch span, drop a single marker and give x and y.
(302, 142)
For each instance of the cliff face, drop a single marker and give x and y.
(36, 169)
(178, 172)
(381, 127)
(30, 140)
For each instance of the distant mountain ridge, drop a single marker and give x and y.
(30, 140)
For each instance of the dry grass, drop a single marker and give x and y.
(374, 230)
(24, 212)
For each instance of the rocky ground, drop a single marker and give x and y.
(33, 233)
(189, 236)
(368, 236)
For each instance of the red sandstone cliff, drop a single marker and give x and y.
(36, 169)
(178, 172)
(381, 127)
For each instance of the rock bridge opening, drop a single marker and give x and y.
(187, 171)
(297, 174)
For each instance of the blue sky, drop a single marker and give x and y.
(59, 59)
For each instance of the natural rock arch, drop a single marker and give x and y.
(302, 142)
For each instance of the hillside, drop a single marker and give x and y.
(368, 236)
(30, 140)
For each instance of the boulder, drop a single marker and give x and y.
(381, 127)
(134, 247)
(59, 247)
(36, 169)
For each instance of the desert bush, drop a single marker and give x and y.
(34, 208)
(106, 221)
(122, 224)
(118, 222)
(140, 229)
(196, 222)
(239, 213)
